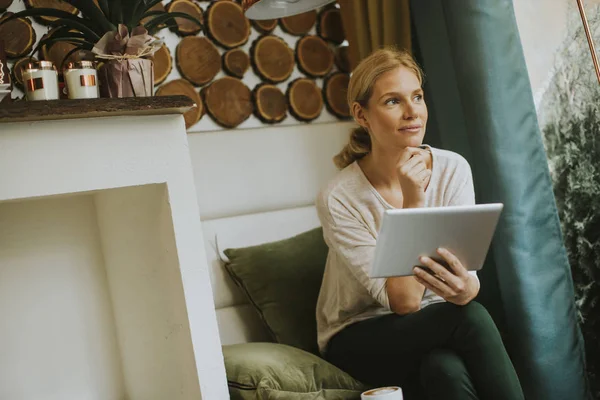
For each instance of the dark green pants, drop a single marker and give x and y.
(443, 351)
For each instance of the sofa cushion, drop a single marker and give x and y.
(271, 371)
(282, 280)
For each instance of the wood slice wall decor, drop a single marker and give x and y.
(329, 25)
(272, 58)
(181, 86)
(236, 62)
(342, 60)
(299, 24)
(18, 36)
(58, 51)
(228, 100)
(335, 89)
(305, 100)
(314, 56)
(198, 60)
(226, 24)
(185, 27)
(56, 4)
(270, 103)
(163, 64)
(17, 70)
(264, 25)
(4, 4)
(200, 53)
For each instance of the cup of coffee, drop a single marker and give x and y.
(383, 393)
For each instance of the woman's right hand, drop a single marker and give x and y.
(414, 175)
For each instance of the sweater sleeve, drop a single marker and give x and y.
(353, 243)
(465, 192)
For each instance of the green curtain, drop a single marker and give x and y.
(481, 105)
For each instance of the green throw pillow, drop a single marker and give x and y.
(271, 371)
(282, 280)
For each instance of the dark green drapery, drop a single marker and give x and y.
(482, 107)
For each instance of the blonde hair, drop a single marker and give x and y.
(360, 90)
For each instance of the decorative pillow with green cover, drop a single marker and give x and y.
(271, 371)
(282, 281)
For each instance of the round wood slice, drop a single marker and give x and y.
(58, 51)
(272, 58)
(18, 36)
(270, 104)
(183, 87)
(17, 70)
(299, 24)
(264, 25)
(228, 101)
(198, 59)
(236, 62)
(329, 25)
(56, 4)
(335, 89)
(185, 27)
(4, 4)
(342, 60)
(304, 98)
(314, 56)
(156, 7)
(163, 64)
(226, 24)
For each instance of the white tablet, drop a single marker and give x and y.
(407, 234)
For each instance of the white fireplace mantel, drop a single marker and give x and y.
(104, 284)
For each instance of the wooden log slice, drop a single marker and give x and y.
(335, 89)
(17, 70)
(299, 24)
(163, 64)
(304, 98)
(226, 24)
(264, 25)
(4, 4)
(181, 86)
(272, 58)
(185, 27)
(198, 59)
(329, 25)
(342, 60)
(156, 7)
(314, 56)
(18, 36)
(228, 101)
(59, 50)
(270, 104)
(56, 4)
(236, 62)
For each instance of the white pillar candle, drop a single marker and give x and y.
(41, 81)
(81, 80)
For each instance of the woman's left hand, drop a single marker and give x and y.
(454, 284)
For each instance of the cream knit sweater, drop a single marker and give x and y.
(350, 211)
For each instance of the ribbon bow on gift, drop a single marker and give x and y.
(119, 45)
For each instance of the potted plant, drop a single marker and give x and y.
(114, 32)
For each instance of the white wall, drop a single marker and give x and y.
(245, 171)
(58, 339)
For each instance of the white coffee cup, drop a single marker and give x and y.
(383, 393)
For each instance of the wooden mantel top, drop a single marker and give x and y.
(22, 111)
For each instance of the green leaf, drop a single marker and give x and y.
(104, 7)
(116, 11)
(89, 10)
(156, 21)
(142, 8)
(79, 26)
(43, 12)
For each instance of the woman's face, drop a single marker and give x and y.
(396, 114)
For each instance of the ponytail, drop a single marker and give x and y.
(358, 146)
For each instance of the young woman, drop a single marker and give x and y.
(423, 333)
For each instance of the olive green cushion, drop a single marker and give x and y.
(282, 281)
(271, 371)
